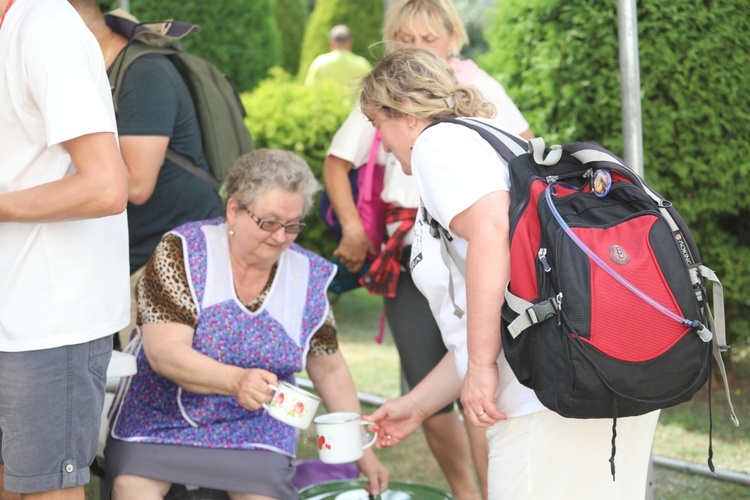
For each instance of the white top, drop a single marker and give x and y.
(286, 299)
(66, 282)
(453, 167)
(353, 139)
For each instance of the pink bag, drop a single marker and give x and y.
(367, 184)
(370, 205)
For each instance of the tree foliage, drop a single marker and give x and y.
(291, 20)
(364, 19)
(560, 63)
(239, 37)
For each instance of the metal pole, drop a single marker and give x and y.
(627, 30)
(702, 470)
(124, 5)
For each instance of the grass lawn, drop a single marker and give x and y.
(682, 433)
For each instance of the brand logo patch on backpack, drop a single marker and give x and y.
(619, 254)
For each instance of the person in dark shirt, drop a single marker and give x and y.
(155, 113)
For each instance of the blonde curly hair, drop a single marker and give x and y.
(417, 83)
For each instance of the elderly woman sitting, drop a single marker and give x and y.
(225, 308)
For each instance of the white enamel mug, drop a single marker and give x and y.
(292, 405)
(340, 439)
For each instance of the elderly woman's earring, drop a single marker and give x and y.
(231, 232)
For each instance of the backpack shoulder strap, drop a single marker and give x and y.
(448, 253)
(717, 325)
(508, 146)
(130, 53)
(191, 167)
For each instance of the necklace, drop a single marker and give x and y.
(7, 8)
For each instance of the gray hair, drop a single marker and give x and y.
(256, 173)
(340, 33)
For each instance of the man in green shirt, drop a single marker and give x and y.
(340, 65)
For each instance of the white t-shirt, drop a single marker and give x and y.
(61, 283)
(453, 167)
(353, 140)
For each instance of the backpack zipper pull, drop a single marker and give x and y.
(542, 255)
(558, 302)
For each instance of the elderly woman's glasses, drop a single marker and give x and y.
(272, 226)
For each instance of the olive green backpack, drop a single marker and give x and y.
(221, 115)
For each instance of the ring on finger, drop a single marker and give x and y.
(480, 413)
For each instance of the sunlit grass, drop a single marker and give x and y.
(682, 432)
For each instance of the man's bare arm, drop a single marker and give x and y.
(98, 188)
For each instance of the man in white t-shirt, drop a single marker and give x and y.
(64, 247)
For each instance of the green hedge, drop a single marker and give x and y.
(288, 115)
(364, 19)
(560, 63)
(239, 37)
(291, 20)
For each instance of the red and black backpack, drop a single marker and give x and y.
(606, 314)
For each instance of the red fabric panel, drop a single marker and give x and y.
(623, 325)
(525, 246)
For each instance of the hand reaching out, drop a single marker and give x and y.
(395, 420)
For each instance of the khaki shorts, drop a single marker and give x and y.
(50, 408)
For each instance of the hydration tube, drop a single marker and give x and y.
(703, 332)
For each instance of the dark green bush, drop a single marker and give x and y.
(560, 63)
(291, 20)
(365, 21)
(239, 37)
(287, 115)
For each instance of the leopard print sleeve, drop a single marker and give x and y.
(324, 341)
(163, 292)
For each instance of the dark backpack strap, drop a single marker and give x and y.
(507, 145)
(448, 253)
(130, 53)
(191, 167)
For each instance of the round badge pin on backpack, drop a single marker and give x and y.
(601, 182)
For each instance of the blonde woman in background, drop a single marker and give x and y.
(433, 25)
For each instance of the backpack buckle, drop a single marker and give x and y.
(543, 310)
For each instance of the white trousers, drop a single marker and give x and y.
(546, 456)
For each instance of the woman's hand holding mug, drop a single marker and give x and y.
(252, 387)
(292, 405)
